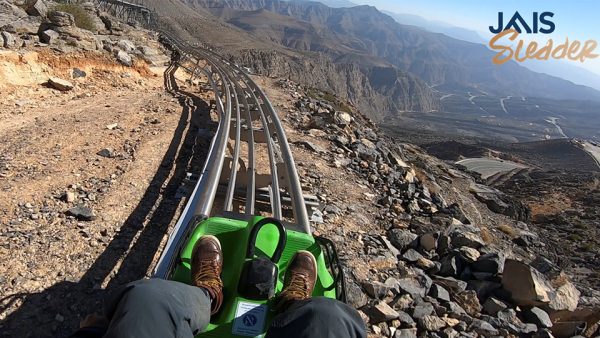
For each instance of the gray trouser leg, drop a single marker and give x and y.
(318, 317)
(157, 308)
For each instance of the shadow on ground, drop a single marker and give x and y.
(56, 311)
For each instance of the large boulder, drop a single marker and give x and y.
(9, 9)
(566, 297)
(527, 286)
(80, 38)
(37, 8)
(61, 19)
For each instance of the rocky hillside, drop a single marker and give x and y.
(441, 258)
(435, 58)
(398, 91)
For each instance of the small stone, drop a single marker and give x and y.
(566, 298)
(470, 255)
(452, 322)
(450, 333)
(468, 301)
(49, 36)
(402, 239)
(112, 126)
(455, 308)
(376, 289)
(404, 302)
(422, 309)
(77, 73)
(37, 8)
(406, 333)
(60, 84)
(417, 286)
(492, 306)
(411, 255)
(70, 197)
(425, 263)
(483, 328)
(431, 323)
(124, 58)
(405, 318)
(538, 317)
(428, 241)
(451, 265)
(491, 263)
(381, 312)
(439, 292)
(59, 318)
(469, 239)
(106, 152)
(82, 213)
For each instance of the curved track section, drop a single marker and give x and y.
(229, 184)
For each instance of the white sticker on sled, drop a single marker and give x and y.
(249, 319)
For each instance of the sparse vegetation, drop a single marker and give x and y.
(82, 19)
(589, 247)
(486, 235)
(574, 237)
(509, 230)
(335, 102)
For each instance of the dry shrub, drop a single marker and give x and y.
(487, 236)
(509, 230)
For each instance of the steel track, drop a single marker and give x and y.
(228, 177)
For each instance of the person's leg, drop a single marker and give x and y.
(157, 308)
(318, 317)
(168, 309)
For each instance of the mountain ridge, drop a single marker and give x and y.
(433, 57)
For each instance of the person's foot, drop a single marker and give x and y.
(207, 264)
(300, 279)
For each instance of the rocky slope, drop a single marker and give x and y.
(402, 92)
(438, 261)
(434, 58)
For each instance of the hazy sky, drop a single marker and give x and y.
(576, 19)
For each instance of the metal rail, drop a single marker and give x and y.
(239, 102)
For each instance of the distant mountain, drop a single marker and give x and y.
(374, 37)
(333, 3)
(556, 68)
(567, 71)
(437, 27)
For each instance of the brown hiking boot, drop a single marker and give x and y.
(207, 264)
(300, 279)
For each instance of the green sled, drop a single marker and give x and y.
(240, 317)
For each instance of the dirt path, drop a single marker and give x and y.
(54, 267)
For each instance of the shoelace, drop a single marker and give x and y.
(207, 275)
(298, 287)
